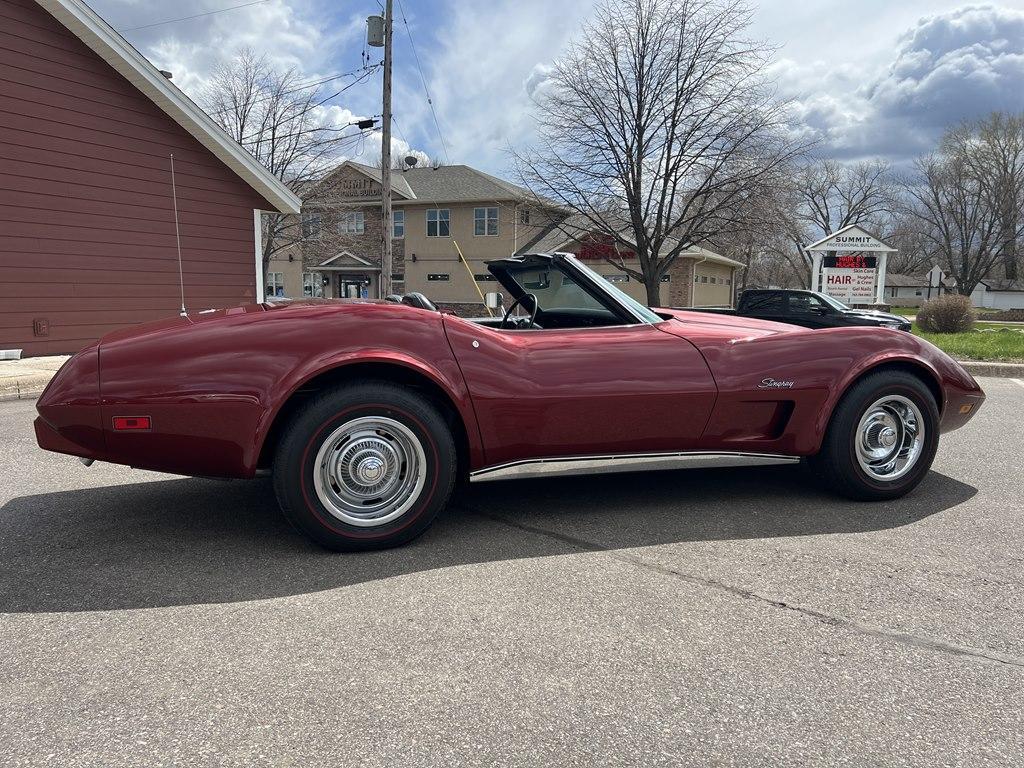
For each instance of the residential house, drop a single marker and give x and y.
(448, 222)
(998, 293)
(87, 217)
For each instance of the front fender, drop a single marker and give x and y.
(817, 368)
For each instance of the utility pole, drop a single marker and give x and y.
(385, 158)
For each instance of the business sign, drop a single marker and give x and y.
(849, 261)
(850, 285)
(851, 239)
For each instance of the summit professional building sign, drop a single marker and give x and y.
(842, 270)
(857, 243)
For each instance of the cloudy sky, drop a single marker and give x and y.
(871, 78)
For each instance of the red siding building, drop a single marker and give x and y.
(87, 232)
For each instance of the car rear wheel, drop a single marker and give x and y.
(882, 438)
(365, 466)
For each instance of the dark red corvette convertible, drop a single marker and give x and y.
(368, 413)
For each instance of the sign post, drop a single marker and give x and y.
(849, 265)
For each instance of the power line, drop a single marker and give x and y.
(423, 80)
(305, 85)
(193, 16)
(314, 106)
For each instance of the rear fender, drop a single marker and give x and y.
(443, 373)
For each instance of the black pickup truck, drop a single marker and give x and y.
(809, 309)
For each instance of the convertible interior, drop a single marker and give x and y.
(547, 291)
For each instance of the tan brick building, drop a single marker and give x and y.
(438, 214)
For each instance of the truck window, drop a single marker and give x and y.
(763, 303)
(805, 304)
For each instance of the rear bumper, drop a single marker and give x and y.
(69, 408)
(49, 439)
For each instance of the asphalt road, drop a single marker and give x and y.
(728, 617)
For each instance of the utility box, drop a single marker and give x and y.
(375, 31)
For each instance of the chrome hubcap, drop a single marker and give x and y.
(369, 471)
(890, 437)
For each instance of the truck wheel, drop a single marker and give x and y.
(365, 466)
(882, 438)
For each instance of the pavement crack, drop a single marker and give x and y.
(904, 638)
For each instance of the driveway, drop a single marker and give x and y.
(727, 617)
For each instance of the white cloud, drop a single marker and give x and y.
(947, 67)
(857, 84)
(481, 72)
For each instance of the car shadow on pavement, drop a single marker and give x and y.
(192, 541)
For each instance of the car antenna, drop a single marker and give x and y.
(177, 235)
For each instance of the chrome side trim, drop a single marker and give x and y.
(635, 462)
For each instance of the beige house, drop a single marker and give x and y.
(448, 222)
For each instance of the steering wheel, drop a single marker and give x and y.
(520, 302)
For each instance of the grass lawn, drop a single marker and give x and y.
(988, 342)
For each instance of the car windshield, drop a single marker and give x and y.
(834, 303)
(623, 298)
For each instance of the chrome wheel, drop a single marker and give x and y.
(890, 438)
(369, 471)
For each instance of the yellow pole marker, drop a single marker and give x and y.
(472, 278)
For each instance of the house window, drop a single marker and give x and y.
(311, 224)
(438, 277)
(703, 278)
(312, 285)
(728, 281)
(713, 281)
(524, 215)
(438, 222)
(275, 284)
(485, 221)
(398, 225)
(351, 223)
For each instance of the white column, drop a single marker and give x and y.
(816, 271)
(880, 285)
(258, 239)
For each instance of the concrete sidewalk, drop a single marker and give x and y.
(25, 379)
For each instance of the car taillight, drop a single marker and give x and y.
(128, 423)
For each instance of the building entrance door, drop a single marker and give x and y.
(353, 287)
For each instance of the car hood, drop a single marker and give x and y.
(729, 324)
(703, 328)
(873, 314)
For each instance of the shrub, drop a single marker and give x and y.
(946, 314)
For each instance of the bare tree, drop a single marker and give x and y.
(761, 236)
(274, 115)
(830, 195)
(654, 123)
(967, 199)
(994, 149)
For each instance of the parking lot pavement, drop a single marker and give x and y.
(727, 617)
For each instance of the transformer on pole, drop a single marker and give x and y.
(378, 33)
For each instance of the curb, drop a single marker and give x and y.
(25, 387)
(999, 370)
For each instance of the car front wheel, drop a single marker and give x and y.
(882, 438)
(365, 466)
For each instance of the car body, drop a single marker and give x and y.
(591, 380)
(810, 309)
